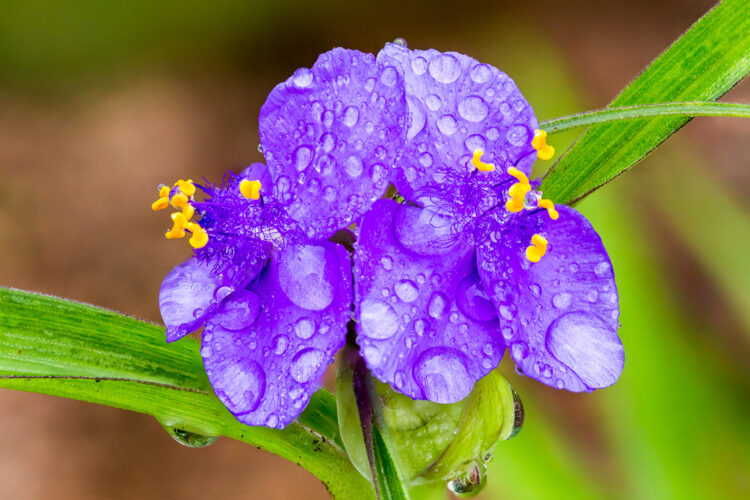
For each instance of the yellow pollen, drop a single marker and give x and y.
(537, 249)
(179, 200)
(518, 191)
(178, 228)
(543, 150)
(547, 204)
(476, 160)
(164, 191)
(250, 189)
(188, 211)
(199, 239)
(187, 187)
(160, 204)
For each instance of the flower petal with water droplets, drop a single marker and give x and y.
(559, 315)
(414, 331)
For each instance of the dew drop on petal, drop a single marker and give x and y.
(304, 328)
(603, 269)
(303, 155)
(518, 135)
(419, 65)
(480, 73)
(406, 290)
(302, 78)
(240, 385)
(351, 116)
(305, 363)
(473, 108)
(438, 305)
(442, 375)
(353, 166)
(586, 344)
(444, 68)
(433, 102)
(279, 344)
(377, 319)
(561, 300)
(447, 124)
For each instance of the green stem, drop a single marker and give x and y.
(695, 108)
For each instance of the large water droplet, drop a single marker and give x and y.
(469, 479)
(303, 155)
(378, 319)
(279, 344)
(188, 438)
(302, 78)
(518, 414)
(586, 344)
(406, 290)
(353, 166)
(438, 305)
(400, 41)
(562, 300)
(389, 76)
(238, 383)
(351, 116)
(444, 68)
(518, 135)
(480, 73)
(418, 118)
(473, 108)
(433, 102)
(603, 269)
(447, 124)
(442, 374)
(304, 328)
(239, 312)
(307, 275)
(305, 363)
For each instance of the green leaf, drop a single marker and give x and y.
(703, 64)
(697, 108)
(390, 482)
(63, 348)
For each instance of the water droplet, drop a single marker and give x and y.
(519, 351)
(425, 159)
(518, 135)
(603, 269)
(304, 328)
(400, 41)
(562, 300)
(272, 421)
(480, 73)
(586, 344)
(280, 343)
(518, 414)
(328, 142)
(433, 102)
(378, 319)
(302, 78)
(351, 116)
(536, 290)
(406, 290)
(305, 363)
(239, 312)
(419, 65)
(353, 166)
(389, 76)
(592, 296)
(189, 439)
(474, 142)
(387, 262)
(447, 124)
(438, 305)
(469, 479)
(303, 155)
(473, 108)
(327, 117)
(307, 275)
(240, 385)
(442, 374)
(260, 149)
(373, 355)
(444, 68)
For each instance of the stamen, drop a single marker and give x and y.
(543, 150)
(163, 201)
(476, 160)
(188, 211)
(199, 239)
(187, 187)
(518, 191)
(178, 228)
(250, 189)
(179, 200)
(537, 249)
(547, 204)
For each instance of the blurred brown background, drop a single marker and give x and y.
(100, 102)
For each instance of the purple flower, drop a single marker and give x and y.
(272, 293)
(476, 260)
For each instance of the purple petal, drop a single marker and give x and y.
(190, 294)
(559, 315)
(330, 134)
(266, 348)
(458, 105)
(425, 324)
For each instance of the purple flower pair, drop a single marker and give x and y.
(473, 260)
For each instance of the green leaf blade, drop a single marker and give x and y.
(702, 65)
(63, 348)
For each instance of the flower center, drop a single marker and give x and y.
(180, 197)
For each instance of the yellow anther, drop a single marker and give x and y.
(476, 160)
(164, 191)
(179, 200)
(187, 187)
(188, 211)
(543, 150)
(179, 223)
(514, 172)
(250, 189)
(537, 249)
(160, 204)
(547, 204)
(199, 237)
(514, 205)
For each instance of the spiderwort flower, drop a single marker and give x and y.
(272, 293)
(476, 260)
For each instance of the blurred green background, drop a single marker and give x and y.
(100, 101)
